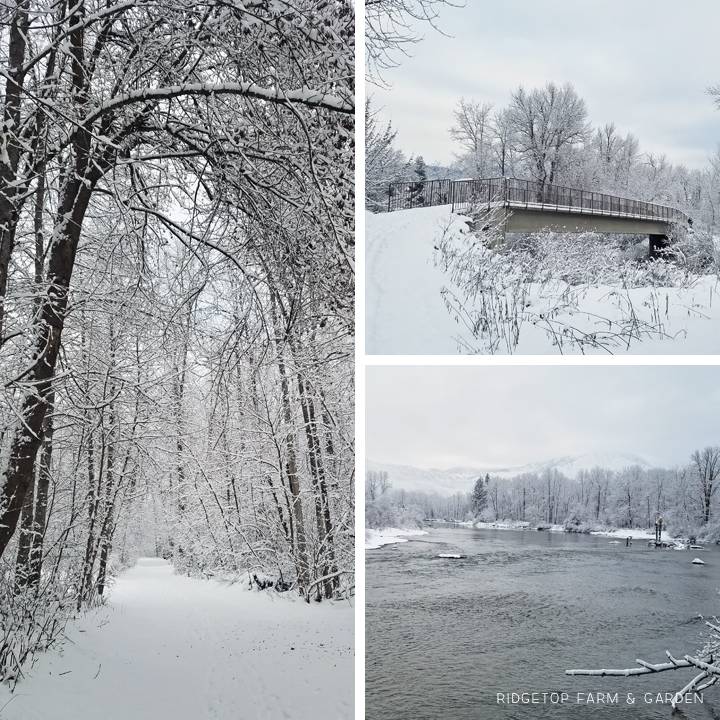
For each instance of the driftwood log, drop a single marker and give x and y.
(708, 676)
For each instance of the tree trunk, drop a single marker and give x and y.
(22, 563)
(17, 475)
(11, 150)
(317, 471)
(291, 471)
(34, 512)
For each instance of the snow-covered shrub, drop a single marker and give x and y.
(709, 533)
(497, 288)
(697, 250)
(583, 527)
(575, 522)
(580, 289)
(591, 258)
(383, 513)
(574, 259)
(30, 622)
(380, 513)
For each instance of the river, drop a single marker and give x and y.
(444, 637)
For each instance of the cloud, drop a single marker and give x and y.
(643, 65)
(504, 416)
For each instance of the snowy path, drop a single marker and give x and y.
(404, 310)
(173, 648)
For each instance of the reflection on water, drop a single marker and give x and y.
(444, 637)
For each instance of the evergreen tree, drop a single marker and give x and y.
(420, 169)
(479, 495)
(417, 188)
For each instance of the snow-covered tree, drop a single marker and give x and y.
(472, 132)
(547, 122)
(706, 469)
(377, 483)
(390, 31)
(479, 495)
(384, 163)
(502, 143)
(419, 169)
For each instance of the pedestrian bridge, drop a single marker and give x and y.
(522, 206)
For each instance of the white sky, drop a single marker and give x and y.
(642, 64)
(500, 416)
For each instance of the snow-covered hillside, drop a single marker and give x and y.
(447, 482)
(406, 312)
(572, 464)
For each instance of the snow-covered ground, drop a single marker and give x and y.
(377, 538)
(512, 525)
(636, 534)
(168, 647)
(405, 312)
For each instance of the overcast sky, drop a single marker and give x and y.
(642, 64)
(505, 416)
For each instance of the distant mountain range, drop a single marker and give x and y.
(461, 479)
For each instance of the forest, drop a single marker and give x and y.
(176, 299)
(597, 499)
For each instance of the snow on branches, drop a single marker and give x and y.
(707, 677)
(176, 290)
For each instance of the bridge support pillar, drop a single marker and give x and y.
(657, 244)
(495, 219)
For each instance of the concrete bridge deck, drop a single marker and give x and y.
(523, 206)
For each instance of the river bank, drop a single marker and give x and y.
(620, 533)
(375, 538)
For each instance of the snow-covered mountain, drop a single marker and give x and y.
(461, 479)
(572, 464)
(444, 482)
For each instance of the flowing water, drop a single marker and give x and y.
(445, 637)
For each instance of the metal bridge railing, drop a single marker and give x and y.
(511, 192)
(404, 195)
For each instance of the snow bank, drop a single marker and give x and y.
(634, 534)
(375, 539)
(623, 533)
(406, 312)
(513, 525)
(168, 646)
